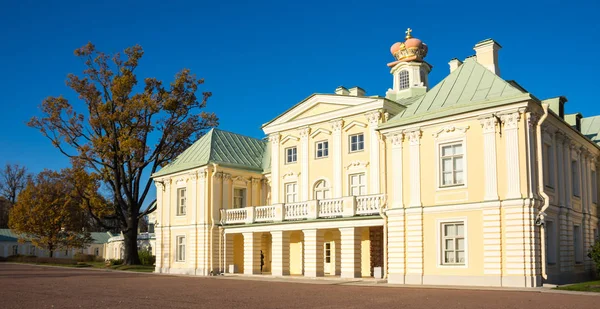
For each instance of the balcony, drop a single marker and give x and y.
(348, 206)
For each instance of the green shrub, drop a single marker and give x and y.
(146, 257)
(80, 257)
(113, 262)
(2, 259)
(99, 259)
(594, 254)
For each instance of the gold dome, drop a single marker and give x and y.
(412, 49)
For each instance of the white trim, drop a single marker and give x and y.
(322, 150)
(439, 231)
(289, 137)
(439, 143)
(178, 258)
(246, 204)
(328, 187)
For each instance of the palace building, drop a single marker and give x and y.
(473, 181)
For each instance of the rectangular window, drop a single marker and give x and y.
(594, 188)
(357, 142)
(577, 240)
(97, 251)
(32, 250)
(291, 155)
(575, 177)
(550, 243)
(452, 165)
(239, 198)
(291, 195)
(15, 250)
(358, 184)
(549, 166)
(180, 248)
(181, 201)
(328, 252)
(453, 243)
(322, 149)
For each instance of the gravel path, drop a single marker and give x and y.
(29, 286)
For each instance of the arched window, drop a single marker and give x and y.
(404, 82)
(321, 190)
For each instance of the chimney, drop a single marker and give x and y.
(454, 64)
(357, 92)
(487, 55)
(341, 90)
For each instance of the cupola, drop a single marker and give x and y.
(410, 70)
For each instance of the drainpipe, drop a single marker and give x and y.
(212, 221)
(541, 214)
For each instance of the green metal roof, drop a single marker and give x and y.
(220, 147)
(471, 86)
(590, 128)
(8, 235)
(100, 237)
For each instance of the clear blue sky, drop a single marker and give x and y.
(259, 58)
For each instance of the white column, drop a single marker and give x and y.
(280, 261)
(489, 158)
(252, 253)
(172, 205)
(414, 139)
(336, 128)
(560, 168)
(351, 259)
(397, 139)
(304, 156)
(313, 253)
(374, 176)
(511, 136)
(160, 206)
(274, 139)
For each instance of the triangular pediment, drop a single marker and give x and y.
(318, 104)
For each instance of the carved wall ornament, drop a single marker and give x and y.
(256, 181)
(240, 179)
(337, 125)
(450, 129)
(414, 136)
(533, 119)
(289, 137)
(180, 181)
(354, 123)
(373, 117)
(489, 124)
(396, 138)
(357, 165)
(226, 177)
(511, 121)
(304, 132)
(290, 175)
(274, 138)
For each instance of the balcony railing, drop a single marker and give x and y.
(348, 206)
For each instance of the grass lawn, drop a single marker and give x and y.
(590, 286)
(100, 265)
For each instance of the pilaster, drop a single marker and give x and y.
(228, 260)
(304, 156)
(396, 246)
(414, 138)
(414, 246)
(274, 139)
(397, 188)
(336, 128)
(489, 158)
(313, 253)
(373, 118)
(511, 126)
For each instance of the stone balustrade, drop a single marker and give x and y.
(348, 206)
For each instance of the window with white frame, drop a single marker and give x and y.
(96, 251)
(549, 166)
(551, 244)
(594, 188)
(239, 197)
(181, 201)
(357, 142)
(321, 190)
(31, 250)
(291, 155)
(358, 184)
(404, 81)
(453, 243)
(452, 164)
(575, 177)
(15, 250)
(180, 256)
(291, 192)
(578, 241)
(322, 149)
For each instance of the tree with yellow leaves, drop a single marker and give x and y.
(49, 213)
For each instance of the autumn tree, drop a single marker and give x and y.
(5, 207)
(48, 213)
(126, 130)
(13, 178)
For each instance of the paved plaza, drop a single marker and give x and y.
(29, 286)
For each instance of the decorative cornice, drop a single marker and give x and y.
(354, 123)
(373, 117)
(357, 165)
(319, 131)
(450, 129)
(226, 177)
(256, 181)
(289, 137)
(240, 179)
